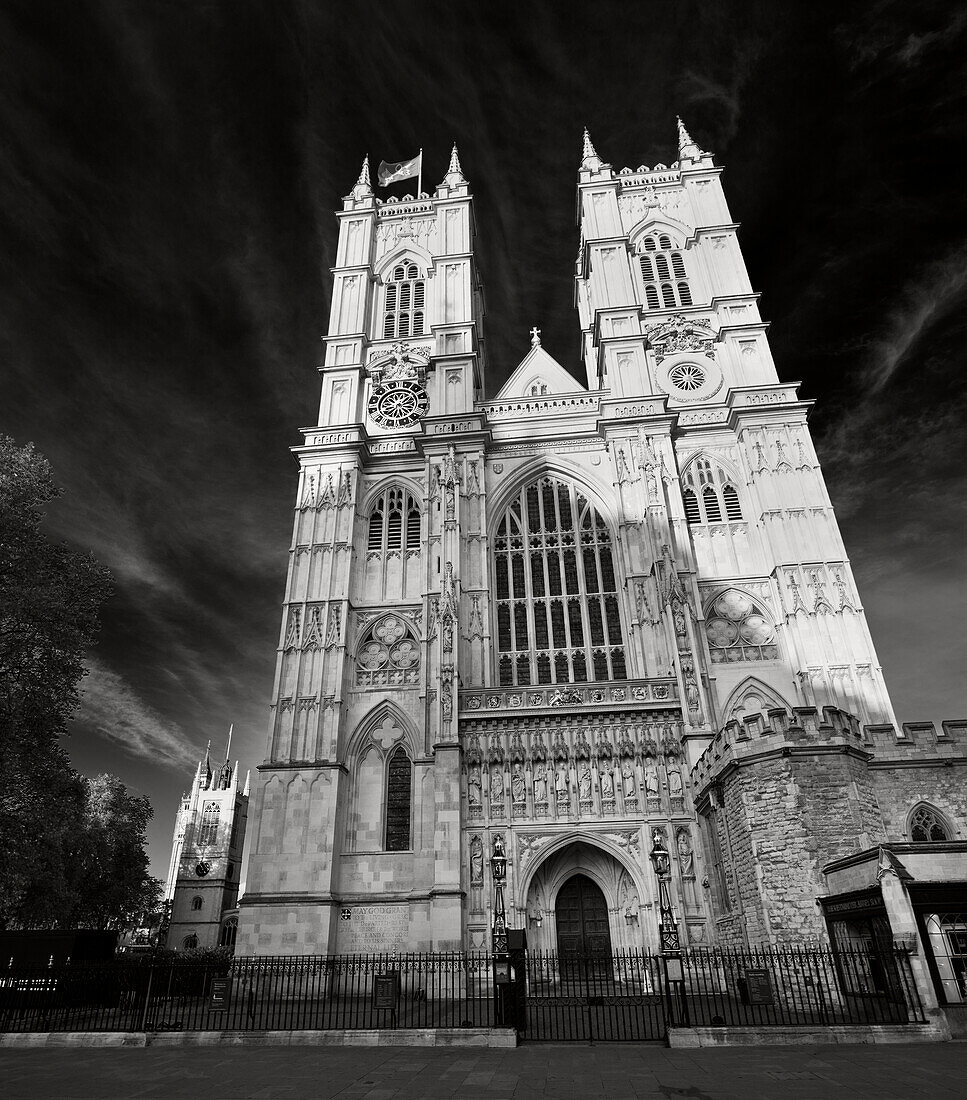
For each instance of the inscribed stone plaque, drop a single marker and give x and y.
(374, 928)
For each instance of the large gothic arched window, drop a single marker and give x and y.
(556, 592)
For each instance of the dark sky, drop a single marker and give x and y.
(167, 179)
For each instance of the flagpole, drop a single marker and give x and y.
(419, 178)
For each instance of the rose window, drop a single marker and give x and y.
(738, 631)
(389, 655)
(687, 377)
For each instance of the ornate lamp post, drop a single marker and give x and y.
(498, 871)
(662, 862)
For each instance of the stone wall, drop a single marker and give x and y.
(784, 793)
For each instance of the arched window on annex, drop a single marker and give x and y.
(739, 630)
(557, 611)
(716, 516)
(926, 824)
(661, 265)
(752, 696)
(381, 819)
(536, 387)
(388, 654)
(404, 301)
(196, 903)
(393, 546)
(229, 933)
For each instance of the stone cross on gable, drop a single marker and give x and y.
(535, 337)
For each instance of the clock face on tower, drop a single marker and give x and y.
(202, 868)
(399, 403)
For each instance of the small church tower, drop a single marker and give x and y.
(206, 857)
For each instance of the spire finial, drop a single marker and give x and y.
(589, 157)
(364, 187)
(454, 176)
(228, 747)
(687, 147)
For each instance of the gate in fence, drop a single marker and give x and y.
(575, 996)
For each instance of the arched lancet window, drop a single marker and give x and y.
(189, 943)
(403, 312)
(394, 522)
(229, 933)
(388, 655)
(208, 833)
(399, 796)
(927, 825)
(196, 903)
(663, 273)
(558, 618)
(537, 388)
(709, 495)
(737, 630)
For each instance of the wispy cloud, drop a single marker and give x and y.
(111, 709)
(923, 302)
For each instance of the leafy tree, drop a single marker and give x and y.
(71, 850)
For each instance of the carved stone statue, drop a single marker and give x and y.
(584, 783)
(674, 782)
(517, 785)
(561, 784)
(474, 787)
(607, 784)
(540, 783)
(476, 861)
(651, 781)
(686, 858)
(628, 779)
(497, 786)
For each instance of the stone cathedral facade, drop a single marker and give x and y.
(533, 614)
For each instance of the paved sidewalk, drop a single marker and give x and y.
(937, 1071)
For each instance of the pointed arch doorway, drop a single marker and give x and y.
(581, 915)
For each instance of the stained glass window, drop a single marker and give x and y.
(398, 801)
(557, 609)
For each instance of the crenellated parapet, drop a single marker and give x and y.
(917, 740)
(777, 732)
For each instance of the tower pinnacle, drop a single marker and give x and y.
(454, 176)
(687, 148)
(589, 158)
(363, 188)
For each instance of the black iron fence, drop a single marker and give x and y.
(793, 987)
(616, 995)
(316, 993)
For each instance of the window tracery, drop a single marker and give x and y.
(208, 833)
(388, 655)
(398, 799)
(663, 273)
(394, 522)
(738, 631)
(927, 825)
(709, 495)
(558, 617)
(403, 312)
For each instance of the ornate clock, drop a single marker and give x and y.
(398, 398)
(202, 868)
(398, 403)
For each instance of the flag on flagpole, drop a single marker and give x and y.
(399, 170)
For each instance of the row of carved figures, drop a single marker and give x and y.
(625, 741)
(541, 778)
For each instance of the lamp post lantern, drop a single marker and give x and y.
(662, 862)
(498, 870)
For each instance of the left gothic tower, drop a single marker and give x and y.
(356, 808)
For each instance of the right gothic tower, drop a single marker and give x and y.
(671, 327)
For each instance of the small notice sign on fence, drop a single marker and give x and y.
(386, 990)
(221, 994)
(757, 986)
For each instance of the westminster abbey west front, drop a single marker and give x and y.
(575, 614)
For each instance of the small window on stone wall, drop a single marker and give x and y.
(196, 903)
(927, 825)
